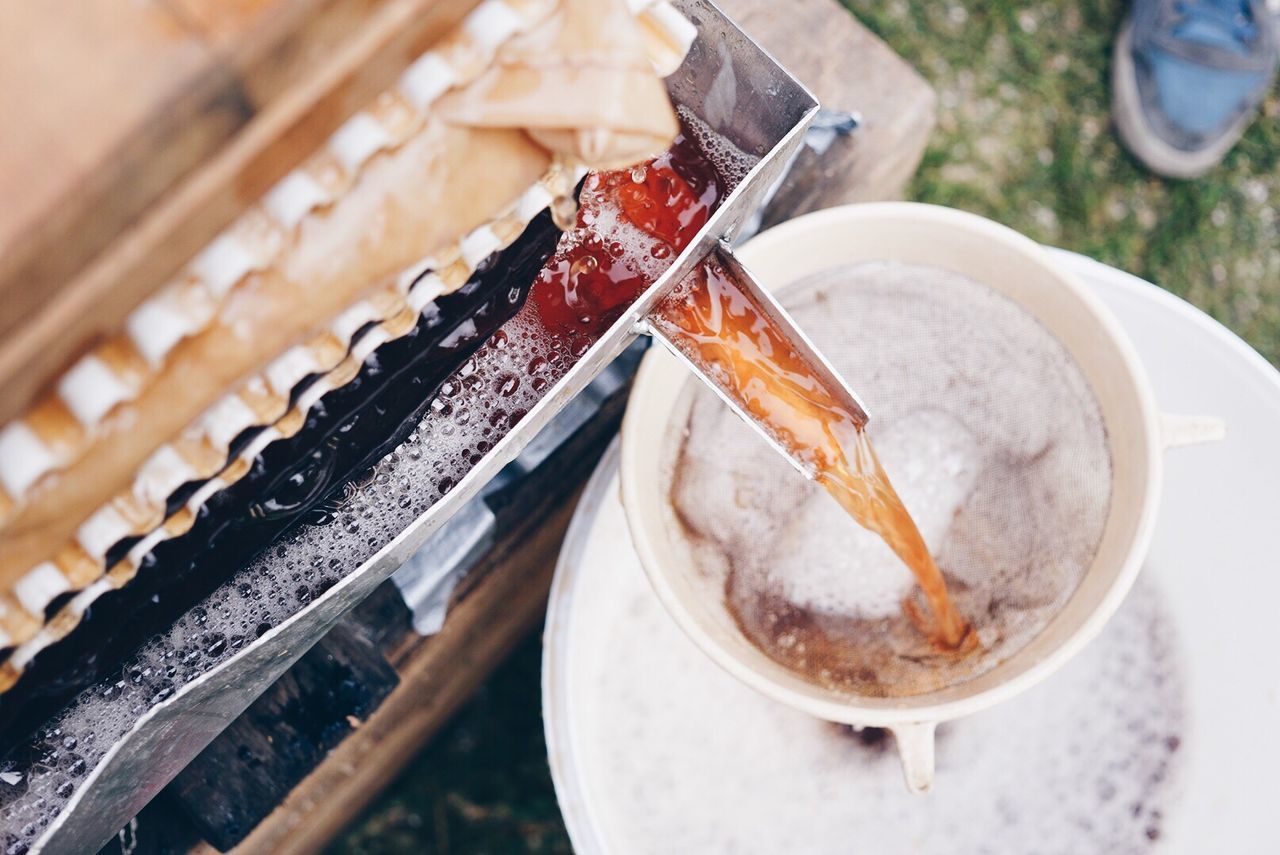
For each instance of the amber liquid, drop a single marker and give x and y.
(717, 323)
(595, 275)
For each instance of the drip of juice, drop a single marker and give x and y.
(718, 324)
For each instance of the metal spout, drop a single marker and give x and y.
(819, 365)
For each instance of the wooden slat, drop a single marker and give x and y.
(273, 45)
(102, 104)
(848, 68)
(254, 763)
(310, 82)
(226, 23)
(76, 78)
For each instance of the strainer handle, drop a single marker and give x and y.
(1177, 431)
(915, 748)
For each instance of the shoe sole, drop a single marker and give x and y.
(1137, 135)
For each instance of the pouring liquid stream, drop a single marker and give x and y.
(628, 226)
(717, 324)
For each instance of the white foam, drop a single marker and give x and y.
(989, 432)
(824, 561)
(608, 224)
(730, 161)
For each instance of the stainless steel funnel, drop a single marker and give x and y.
(777, 315)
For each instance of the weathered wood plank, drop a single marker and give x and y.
(76, 78)
(848, 68)
(273, 45)
(103, 103)
(76, 271)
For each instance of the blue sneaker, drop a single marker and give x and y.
(1187, 77)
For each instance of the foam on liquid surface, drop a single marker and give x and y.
(992, 437)
(852, 571)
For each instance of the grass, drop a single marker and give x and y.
(1023, 137)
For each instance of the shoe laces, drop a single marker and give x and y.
(1234, 18)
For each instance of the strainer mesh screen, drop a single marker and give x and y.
(992, 437)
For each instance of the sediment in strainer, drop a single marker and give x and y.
(993, 438)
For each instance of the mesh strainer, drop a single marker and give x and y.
(1011, 412)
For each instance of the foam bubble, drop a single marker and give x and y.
(991, 436)
(732, 163)
(476, 407)
(933, 461)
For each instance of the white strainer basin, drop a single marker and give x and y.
(1015, 267)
